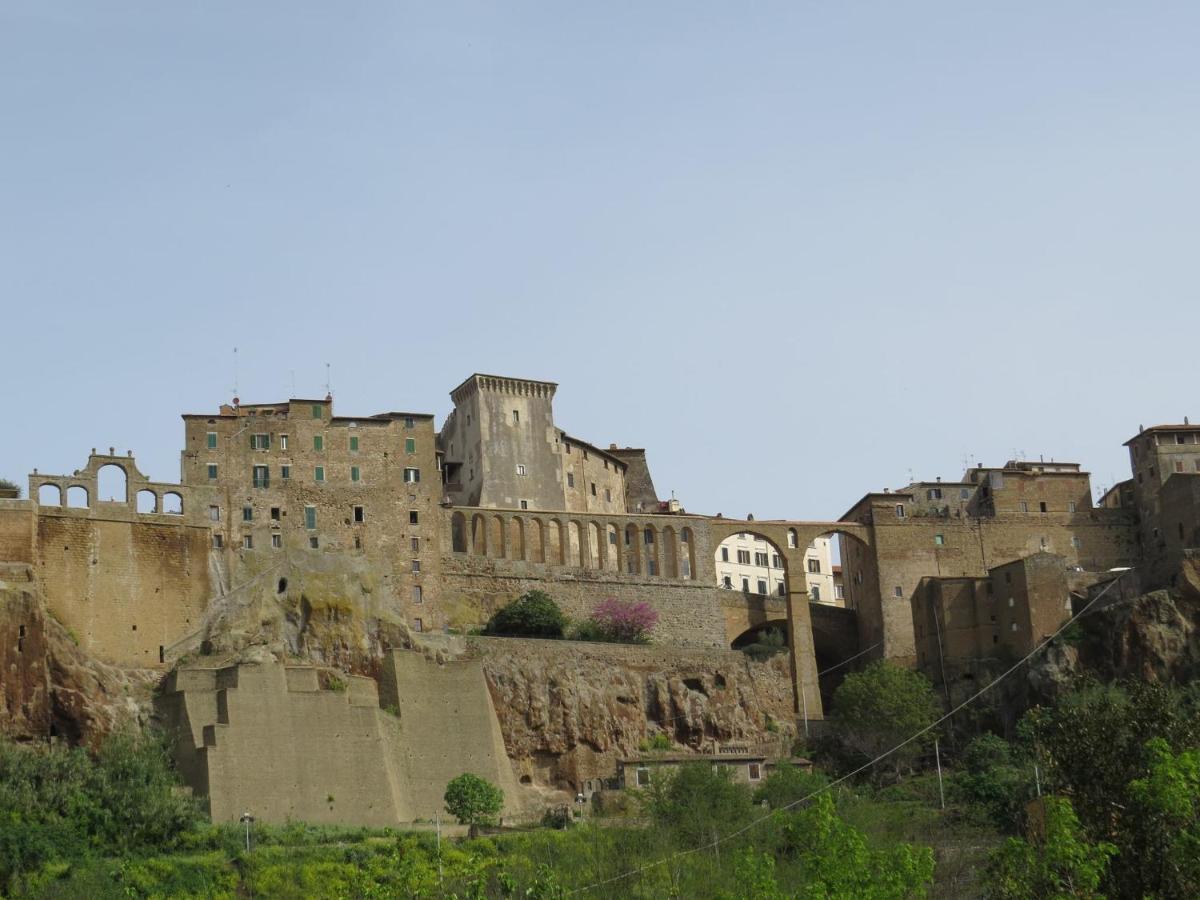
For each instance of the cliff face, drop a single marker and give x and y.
(568, 711)
(51, 688)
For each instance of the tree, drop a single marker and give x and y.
(876, 709)
(533, 614)
(1056, 861)
(6, 485)
(620, 622)
(1166, 804)
(787, 785)
(474, 801)
(698, 802)
(997, 779)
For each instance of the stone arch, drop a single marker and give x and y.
(753, 564)
(687, 554)
(554, 543)
(516, 538)
(49, 495)
(458, 532)
(576, 548)
(172, 503)
(596, 548)
(650, 541)
(758, 631)
(537, 541)
(496, 537)
(112, 484)
(147, 501)
(77, 497)
(612, 548)
(633, 550)
(478, 535)
(670, 553)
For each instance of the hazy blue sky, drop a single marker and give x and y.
(794, 249)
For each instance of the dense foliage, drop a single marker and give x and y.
(879, 708)
(57, 803)
(533, 614)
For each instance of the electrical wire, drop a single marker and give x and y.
(754, 824)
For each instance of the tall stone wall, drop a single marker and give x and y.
(126, 589)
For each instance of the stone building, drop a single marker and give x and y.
(748, 563)
(1165, 461)
(964, 529)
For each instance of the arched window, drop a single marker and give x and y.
(50, 495)
(147, 501)
(112, 485)
(172, 504)
(77, 496)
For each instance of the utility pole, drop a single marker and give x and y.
(937, 754)
(437, 818)
(246, 820)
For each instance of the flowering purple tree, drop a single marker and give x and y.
(625, 621)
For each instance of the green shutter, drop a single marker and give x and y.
(410, 445)
(212, 440)
(310, 517)
(318, 442)
(320, 473)
(354, 443)
(354, 473)
(316, 411)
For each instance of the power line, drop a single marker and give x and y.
(904, 743)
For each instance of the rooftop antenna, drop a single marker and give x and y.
(910, 476)
(293, 394)
(235, 376)
(328, 389)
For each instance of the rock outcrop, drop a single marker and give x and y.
(51, 688)
(568, 710)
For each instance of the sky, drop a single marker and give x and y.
(799, 251)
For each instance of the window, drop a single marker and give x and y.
(247, 542)
(1181, 438)
(1045, 543)
(212, 471)
(816, 594)
(898, 591)
(410, 445)
(355, 473)
(570, 479)
(839, 592)
(218, 542)
(276, 540)
(685, 567)
(724, 554)
(1024, 506)
(316, 411)
(409, 423)
(933, 494)
(310, 517)
(964, 494)
(261, 477)
(520, 469)
(1076, 543)
(360, 514)
(567, 447)
(283, 442)
(745, 585)
(416, 567)
(939, 539)
(413, 517)
(651, 567)
(762, 587)
(260, 442)
(319, 473)
(760, 559)
(780, 589)
(275, 513)
(1178, 466)
(608, 495)
(318, 442)
(524, 504)
(416, 545)
(211, 440)
(593, 489)
(313, 542)
(776, 562)
(516, 417)
(285, 472)
(417, 596)
(643, 776)
(1011, 602)
(899, 510)
(1014, 626)
(247, 513)
(1042, 506)
(214, 513)
(412, 476)
(814, 565)
(1071, 506)
(744, 557)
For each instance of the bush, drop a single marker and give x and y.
(998, 781)
(533, 614)
(618, 622)
(769, 642)
(698, 802)
(787, 785)
(5, 484)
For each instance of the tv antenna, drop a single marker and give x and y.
(328, 389)
(235, 372)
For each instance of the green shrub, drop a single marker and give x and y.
(533, 614)
(655, 743)
(473, 800)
